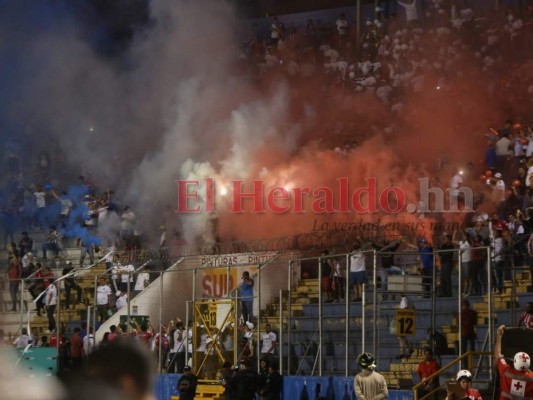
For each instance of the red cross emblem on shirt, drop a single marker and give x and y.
(525, 357)
(518, 386)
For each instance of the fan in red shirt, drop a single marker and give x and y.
(526, 319)
(425, 369)
(516, 381)
(144, 332)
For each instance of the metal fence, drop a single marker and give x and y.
(314, 337)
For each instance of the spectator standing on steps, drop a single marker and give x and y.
(143, 280)
(76, 350)
(25, 244)
(103, 298)
(326, 278)
(70, 284)
(468, 326)
(405, 347)
(13, 274)
(247, 297)
(357, 271)
(52, 242)
(427, 265)
(51, 302)
(446, 267)
(268, 347)
(87, 245)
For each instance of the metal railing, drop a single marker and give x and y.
(469, 363)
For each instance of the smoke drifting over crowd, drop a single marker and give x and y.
(179, 104)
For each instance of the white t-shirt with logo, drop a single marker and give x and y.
(125, 269)
(102, 293)
(357, 262)
(268, 340)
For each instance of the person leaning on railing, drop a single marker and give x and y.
(426, 368)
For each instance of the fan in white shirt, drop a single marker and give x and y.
(143, 280)
(122, 300)
(268, 341)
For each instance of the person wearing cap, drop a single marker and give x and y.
(516, 379)
(70, 283)
(369, 384)
(187, 384)
(464, 378)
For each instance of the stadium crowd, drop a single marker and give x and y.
(392, 61)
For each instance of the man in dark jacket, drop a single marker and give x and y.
(274, 384)
(245, 381)
(187, 384)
